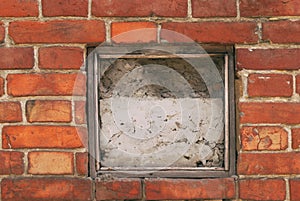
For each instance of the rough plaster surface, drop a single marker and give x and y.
(159, 113)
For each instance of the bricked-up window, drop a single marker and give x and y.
(164, 111)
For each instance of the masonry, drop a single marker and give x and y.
(43, 45)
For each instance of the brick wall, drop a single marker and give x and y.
(43, 44)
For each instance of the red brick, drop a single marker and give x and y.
(50, 163)
(65, 8)
(296, 138)
(250, 8)
(131, 32)
(262, 189)
(285, 113)
(11, 163)
(137, 8)
(216, 8)
(294, 189)
(211, 32)
(2, 32)
(269, 163)
(57, 31)
(43, 137)
(16, 58)
(23, 189)
(1, 86)
(60, 57)
(82, 163)
(298, 84)
(119, 189)
(48, 111)
(10, 112)
(268, 59)
(270, 85)
(46, 84)
(264, 138)
(157, 189)
(281, 31)
(80, 112)
(19, 8)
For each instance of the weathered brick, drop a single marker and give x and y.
(262, 189)
(10, 112)
(296, 138)
(268, 59)
(157, 189)
(48, 111)
(264, 138)
(23, 189)
(216, 8)
(11, 163)
(211, 32)
(1, 86)
(2, 32)
(57, 31)
(80, 112)
(82, 163)
(65, 8)
(19, 8)
(269, 163)
(141, 32)
(43, 137)
(281, 31)
(294, 189)
(298, 84)
(137, 8)
(16, 58)
(270, 85)
(250, 8)
(46, 84)
(60, 58)
(50, 163)
(120, 188)
(285, 113)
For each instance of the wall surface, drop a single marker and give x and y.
(43, 44)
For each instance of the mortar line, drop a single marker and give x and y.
(74, 164)
(259, 32)
(73, 111)
(287, 189)
(26, 163)
(23, 110)
(295, 84)
(5, 90)
(40, 9)
(65, 150)
(143, 189)
(89, 9)
(158, 33)
(79, 45)
(190, 9)
(289, 132)
(36, 59)
(153, 19)
(237, 187)
(108, 31)
(27, 98)
(7, 41)
(270, 176)
(238, 12)
(94, 190)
